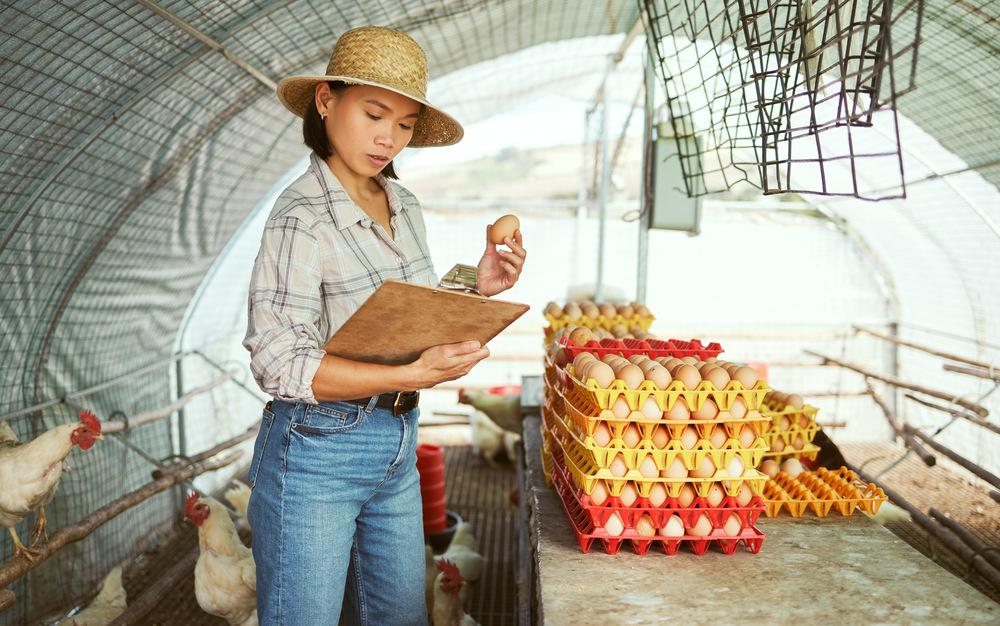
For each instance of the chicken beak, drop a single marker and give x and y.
(99, 437)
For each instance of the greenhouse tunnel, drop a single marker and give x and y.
(144, 147)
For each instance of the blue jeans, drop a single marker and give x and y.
(337, 516)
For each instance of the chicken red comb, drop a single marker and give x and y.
(452, 582)
(190, 501)
(90, 421)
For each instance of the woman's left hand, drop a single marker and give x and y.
(500, 269)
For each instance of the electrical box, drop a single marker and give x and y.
(673, 209)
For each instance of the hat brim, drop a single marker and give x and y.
(433, 128)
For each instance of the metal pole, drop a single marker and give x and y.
(646, 200)
(602, 196)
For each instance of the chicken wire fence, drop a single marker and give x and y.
(774, 93)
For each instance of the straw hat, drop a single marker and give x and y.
(381, 57)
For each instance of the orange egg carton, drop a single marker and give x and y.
(821, 491)
(560, 322)
(605, 397)
(585, 416)
(810, 451)
(587, 532)
(653, 348)
(586, 475)
(635, 456)
(630, 514)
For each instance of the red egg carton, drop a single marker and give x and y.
(630, 515)
(653, 348)
(587, 532)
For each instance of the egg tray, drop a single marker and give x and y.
(822, 491)
(560, 322)
(653, 348)
(605, 397)
(633, 457)
(788, 436)
(587, 532)
(585, 416)
(585, 474)
(810, 452)
(547, 460)
(630, 515)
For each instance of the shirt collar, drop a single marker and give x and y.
(344, 210)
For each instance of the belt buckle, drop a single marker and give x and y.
(399, 397)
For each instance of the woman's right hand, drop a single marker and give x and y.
(442, 363)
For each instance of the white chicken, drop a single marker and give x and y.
(225, 577)
(448, 600)
(487, 437)
(460, 552)
(30, 473)
(107, 605)
(239, 498)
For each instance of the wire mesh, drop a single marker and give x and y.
(776, 93)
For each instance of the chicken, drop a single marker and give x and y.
(505, 411)
(430, 574)
(105, 608)
(30, 473)
(225, 576)
(461, 552)
(448, 586)
(510, 441)
(487, 437)
(239, 498)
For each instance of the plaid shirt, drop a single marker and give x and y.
(320, 258)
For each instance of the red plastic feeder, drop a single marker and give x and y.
(430, 464)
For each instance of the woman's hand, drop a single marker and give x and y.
(500, 269)
(440, 364)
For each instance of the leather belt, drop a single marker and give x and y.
(400, 401)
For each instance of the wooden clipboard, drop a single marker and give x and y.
(401, 320)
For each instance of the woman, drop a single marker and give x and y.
(335, 507)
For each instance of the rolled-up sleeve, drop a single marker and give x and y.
(283, 310)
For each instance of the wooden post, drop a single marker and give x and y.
(966, 416)
(207, 454)
(989, 477)
(921, 347)
(911, 443)
(989, 373)
(966, 536)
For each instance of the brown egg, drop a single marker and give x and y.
(784, 423)
(572, 311)
(659, 375)
(689, 438)
(642, 311)
(636, 359)
(600, 493)
(583, 357)
(602, 434)
(732, 527)
(747, 376)
(770, 467)
(503, 228)
(553, 309)
(608, 310)
(626, 311)
(688, 375)
(798, 442)
(708, 410)
(686, 496)
(792, 467)
(644, 527)
(735, 467)
(719, 437)
(718, 377)
(620, 408)
(614, 525)
(702, 527)
(590, 311)
(715, 495)
(646, 364)
(648, 468)
(675, 469)
(795, 401)
(609, 358)
(745, 495)
(748, 436)
(778, 445)
(631, 436)
(738, 409)
(679, 411)
(618, 467)
(661, 437)
(705, 368)
(581, 336)
(651, 410)
(657, 494)
(601, 373)
(674, 527)
(629, 494)
(705, 469)
(619, 330)
(632, 376)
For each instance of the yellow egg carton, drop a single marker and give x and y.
(584, 415)
(803, 418)
(547, 464)
(788, 437)
(586, 474)
(634, 456)
(810, 451)
(821, 491)
(605, 397)
(560, 322)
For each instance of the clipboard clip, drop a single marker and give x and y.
(462, 278)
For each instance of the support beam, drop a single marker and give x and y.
(975, 419)
(989, 477)
(894, 423)
(921, 347)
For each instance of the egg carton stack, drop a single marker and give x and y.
(645, 450)
(792, 429)
(605, 320)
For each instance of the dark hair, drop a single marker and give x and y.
(314, 130)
